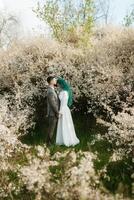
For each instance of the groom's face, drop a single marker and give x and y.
(54, 81)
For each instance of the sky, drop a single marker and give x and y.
(120, 8)
(23, 9)
(32, 25)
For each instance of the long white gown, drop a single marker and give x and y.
(65, 130)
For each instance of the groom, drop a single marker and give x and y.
(52, 108)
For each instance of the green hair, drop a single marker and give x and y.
(65, 86)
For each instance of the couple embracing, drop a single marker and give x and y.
(58, 112)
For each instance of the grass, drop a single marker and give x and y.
(86, 130)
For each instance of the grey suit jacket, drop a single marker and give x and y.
(52, 102)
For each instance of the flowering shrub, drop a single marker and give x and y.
(102, 81)
(61, 176)
(121, 131)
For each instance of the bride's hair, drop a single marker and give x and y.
(65, 86)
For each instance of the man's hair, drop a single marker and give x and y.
(50, 78)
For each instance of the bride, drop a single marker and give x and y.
(65, 130)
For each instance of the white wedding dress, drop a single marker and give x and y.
(65, 131)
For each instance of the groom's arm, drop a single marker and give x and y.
(52, 102)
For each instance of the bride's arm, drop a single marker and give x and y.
(63, 102)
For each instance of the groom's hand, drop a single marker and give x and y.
(57, 115)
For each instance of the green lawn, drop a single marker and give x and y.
(87, 130)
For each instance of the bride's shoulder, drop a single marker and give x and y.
(63, 92)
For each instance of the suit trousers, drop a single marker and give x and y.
(52, 122)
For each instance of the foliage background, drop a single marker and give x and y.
(101, 76)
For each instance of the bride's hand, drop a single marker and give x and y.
(60, 115)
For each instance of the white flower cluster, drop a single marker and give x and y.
(121, 130)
